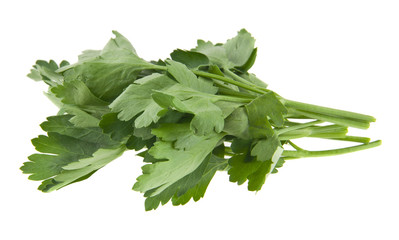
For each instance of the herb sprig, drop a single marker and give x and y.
(188, 117)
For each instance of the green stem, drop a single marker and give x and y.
(308, 133)
(296, 127)
(238, 78)
(327, 111)
(352, 139)
(289, 158)
(230, 92)
(232, 99)
(229, 154)
(228, 80)
(330, 131)
(159, 67)
(333, 152)
(333, 119)
(295, 146)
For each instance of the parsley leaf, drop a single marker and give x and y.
(137, 100)
(84, 167)
(207, 116)
(46, 72)
(240, 48)
(64, 144)
(215, 53)
(76, 94)
(182, 160)
(108, 72)
(191, 59)
(260, 110)
(187, 78)
(197, 191)
(247, 165)
(264, 149)
(236, 52)
(254, 162)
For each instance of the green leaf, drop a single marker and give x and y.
(264, 149)
(123, 131)
(46, 71)
(118, 130)
(137, 143)
(86, 55)
(178, 188)
(258, 178)
(260, 110)
(76, 170)
(61, 124)
(43, 166)
(242, 165)
(197, 191)
(187, 78)
(63, 150)
(64, 144)
(108, 72)
(181, 162)
(268, 151)
(76, 92)
(215, 53)
(227, 107)
(236, 124)
(236, 52)
(143, 133)
(192, 186)
(207, 116)
(148, 158)
(245, 165)
(250, 62)
(137, 100)
(119, 42)
(216, 70)
(189, 58)
(279, 164)
(240, 48)
(80, 118)
(239, 145)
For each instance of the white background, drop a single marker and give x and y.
(342, 54)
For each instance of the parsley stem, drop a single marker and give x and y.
(334, 119)
(230, 92)
(234, 76)
(308, 133)
(229, 80)
(238, 78)
(232, 99)
(332, 152)
(353, 139)
(295, 146)
(327, 111)
(330, 131)
(296, 127)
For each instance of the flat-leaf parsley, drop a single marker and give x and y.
(189, 116)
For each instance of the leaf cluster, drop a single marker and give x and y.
(198, 112)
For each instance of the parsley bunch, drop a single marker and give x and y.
(189, 116)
